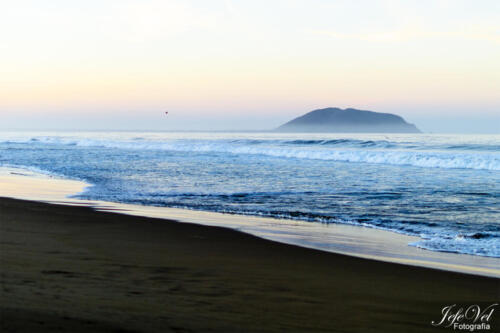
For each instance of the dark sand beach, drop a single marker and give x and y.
(72, 269)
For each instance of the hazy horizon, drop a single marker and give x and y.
(247, 65)
(158, 121)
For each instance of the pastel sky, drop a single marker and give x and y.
(216, 64)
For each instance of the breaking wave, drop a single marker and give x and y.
(343, 150)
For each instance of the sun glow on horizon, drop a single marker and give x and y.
(233, 57)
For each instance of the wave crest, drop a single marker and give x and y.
(342, 150)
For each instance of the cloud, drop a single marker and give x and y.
(156, 19)
(389, 36)
(418, 30)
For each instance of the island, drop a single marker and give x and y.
(348, 121)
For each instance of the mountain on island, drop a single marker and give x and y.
(348, 120)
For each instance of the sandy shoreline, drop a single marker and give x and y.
(79, 266)
(352, 240)
(74, 269)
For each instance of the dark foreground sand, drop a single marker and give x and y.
(73, 269)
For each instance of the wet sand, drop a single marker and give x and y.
(338, 238)
(72, 269)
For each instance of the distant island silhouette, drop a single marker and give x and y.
(348, 120)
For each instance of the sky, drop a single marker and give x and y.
(247, 65)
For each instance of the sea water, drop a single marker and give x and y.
(444, 189)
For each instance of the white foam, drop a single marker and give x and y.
(480, 247)
(419, 158)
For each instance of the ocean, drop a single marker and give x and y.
(444, 189)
